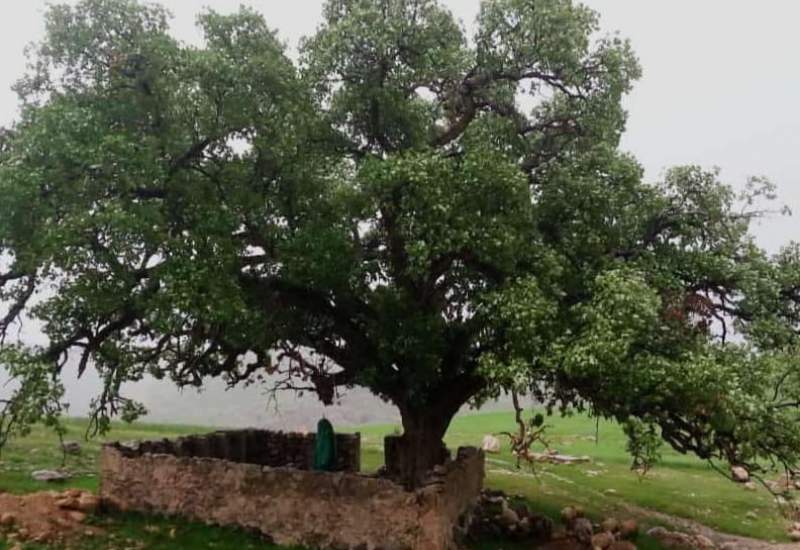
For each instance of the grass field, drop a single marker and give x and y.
(680, 486)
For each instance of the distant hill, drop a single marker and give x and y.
(238, 407)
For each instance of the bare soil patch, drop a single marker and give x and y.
(47, 516)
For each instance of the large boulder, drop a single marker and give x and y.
(49, 475)
(740, 474)
(490, 444)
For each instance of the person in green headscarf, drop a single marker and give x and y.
(325, 447)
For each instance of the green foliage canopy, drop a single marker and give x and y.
(434, 216)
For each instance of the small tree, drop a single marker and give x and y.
(434, 217)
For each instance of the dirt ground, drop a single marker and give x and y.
(47, 517)
(60, 517)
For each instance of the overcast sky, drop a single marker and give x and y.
(721, 81)
(721, 87)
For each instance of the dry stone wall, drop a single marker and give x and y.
(292, 506)
(266, 448)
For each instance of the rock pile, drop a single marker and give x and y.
(47, 517)
(786, 487)
(497, 516)
(611, 534)
(786, 483)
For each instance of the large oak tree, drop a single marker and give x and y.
(433, 216)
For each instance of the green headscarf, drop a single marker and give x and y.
(325, 447)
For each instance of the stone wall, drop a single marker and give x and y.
(262, 447)
(297, 507)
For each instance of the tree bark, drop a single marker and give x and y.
(410, 457)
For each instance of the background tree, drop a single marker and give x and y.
(435, 217)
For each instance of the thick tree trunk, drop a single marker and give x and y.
(410, 457)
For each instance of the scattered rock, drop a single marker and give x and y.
(49, 475)
(603, 540)
(45, 517)
(740, 474)
(583, 530)
(750, 486)
(523, 528)
(76, 516)
(71, 447)
(522, 511)
(794, 535)
(495, 517)
(7, 519)
(680, 541)
(67, 503)
(570, 514)
(704, 543)
(610, 524)
(490, 444)
(628, 529)
(508, 517)
(87, 503)
(670, 539)
(555, 458)
(541, 527)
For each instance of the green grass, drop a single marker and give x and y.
(680, 486)
(135, 531)
(40, 450)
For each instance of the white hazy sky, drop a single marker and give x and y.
(721, 87)
(721, 81)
